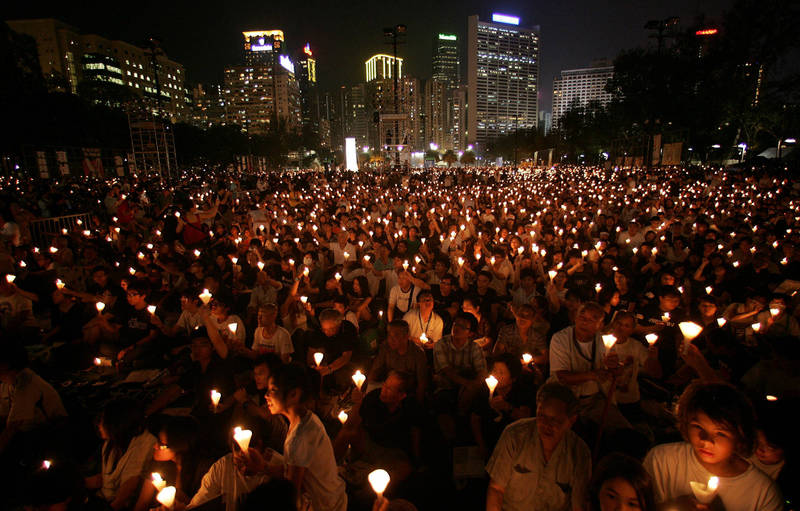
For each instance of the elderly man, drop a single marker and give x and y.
(539, 463)
(399, 354)
(580, 360)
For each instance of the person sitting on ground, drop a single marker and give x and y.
(399, 354)
(717, 424)
(539, 463)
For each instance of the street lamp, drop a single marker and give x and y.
(394, 34)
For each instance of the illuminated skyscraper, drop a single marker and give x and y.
(382, 66)
(306, 68)
(578, 87)
(503, 77)
(446, 64)
(68, 58)
(264, 90)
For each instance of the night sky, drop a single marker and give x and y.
(205, 36)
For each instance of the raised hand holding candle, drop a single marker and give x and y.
(491, 382)
(379, 480)
(205, 296)
(359, 378)
(242, 437)
(166, 497)
(158, 481)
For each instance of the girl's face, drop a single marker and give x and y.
(501, 372)
(356, 287)
(617, 495)
(274, 403)
(713, 443)
(161, 450)
(765, 452)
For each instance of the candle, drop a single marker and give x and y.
(598, 287)
(60, 284)
(100, 306)
(158, 481)
(305, 271)
(215, 397)
(705, 493)
(651, 338)
(46, 464)
(205, 296)
(338, 276)
(304, 299)
(690, 330)
(242, 437)
(460, 261)
(609, 340)
(756, 327)
(423, 338)
(379, 480)
(721, 321)
(358, 378)
(260, 265)
(709, 289)
(166, 496)
(552, 274)
(151, 309)
(665, 316)
(318, 356)
(342, 416)
(774, 311)
(405, 265)
(770, 397)
(527, 358)
(232, 327)
(491, 382)
(10, 278)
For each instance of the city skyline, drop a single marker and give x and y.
(343, 37)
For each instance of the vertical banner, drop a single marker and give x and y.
(63, 163)
(92, 164)
(41, 161)
(672, 153)
(119, 165)
(656, 149)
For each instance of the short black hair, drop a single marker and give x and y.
(724, 405)
(290, 377)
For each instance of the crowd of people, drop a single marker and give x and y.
(577, 338)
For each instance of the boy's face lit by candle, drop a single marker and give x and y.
(712, 442)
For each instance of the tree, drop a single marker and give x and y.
(449, 157)
(468, 158)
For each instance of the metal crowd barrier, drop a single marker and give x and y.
(44, 229)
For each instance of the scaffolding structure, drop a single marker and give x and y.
(153, 145)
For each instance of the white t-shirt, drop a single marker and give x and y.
(416, 325)
(627, 384)
(565, 356)
(132, 463)
(308, 446)
(403, 300)
(225, 331)
(673, 465)
(280, 341)
(224, 479)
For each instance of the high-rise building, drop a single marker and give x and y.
(437, 106)
(458, 118)
(402, 127)
(306, 67)
(68, 58)
(578, 87)
(381, 66)
(503, 77)
(264, 90)
(208, 106)
(446, 64)
(260, 46)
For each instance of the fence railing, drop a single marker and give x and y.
(44, 229)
